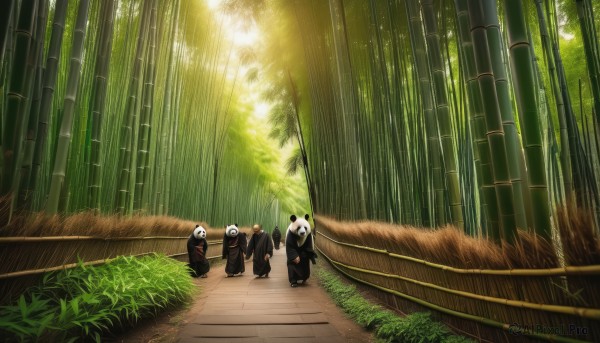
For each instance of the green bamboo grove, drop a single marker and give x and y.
(479, 114)
(133, 108)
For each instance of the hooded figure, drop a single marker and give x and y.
(260, 244)
(234, 248)
(276, 235)
(299, 250)
(197, 247)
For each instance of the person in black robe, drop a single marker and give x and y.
(299, 250)
(276, 235)
(197, 248)
(261, 246)
(234, 248)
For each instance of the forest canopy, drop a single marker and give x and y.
(479, 114)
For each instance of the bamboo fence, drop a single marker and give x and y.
(556, 304)
(26, 259)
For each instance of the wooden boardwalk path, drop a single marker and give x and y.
(266, 310)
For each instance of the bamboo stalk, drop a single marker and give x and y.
(59, 172)
(16, 104)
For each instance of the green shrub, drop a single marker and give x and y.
(417, 327)
(87, 301)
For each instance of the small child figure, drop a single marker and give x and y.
(276, 235)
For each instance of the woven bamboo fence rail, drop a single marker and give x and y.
(530, 303)
(24, 259)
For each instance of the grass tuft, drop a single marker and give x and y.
(580, 242)
(90, 301)
(387, 326)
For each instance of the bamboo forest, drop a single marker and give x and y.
(446, 154)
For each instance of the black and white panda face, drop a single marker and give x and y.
(199, 233)
(299, 226)
(301, 231)
(232, 231)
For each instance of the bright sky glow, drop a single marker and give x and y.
(238, 34)
(241, 33)
(213, 3)
(566, 35)
(562, 23)
(249, 37)
(237, 29)
(261, 109)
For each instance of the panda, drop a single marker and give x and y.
(300, 227)
(234, 249)
(199, 232)
(197, 248)
(300, 250)
(232, 230)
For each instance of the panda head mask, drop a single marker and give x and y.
(199, 232)
(232, 230)
(300, 227)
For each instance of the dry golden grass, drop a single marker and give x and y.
(530, 251)
(448, 245)
(104, 226)
(4, 210)
(580, 243)
(89, 224)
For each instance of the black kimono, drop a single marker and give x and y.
(260, 244)
(300, 271)
(234, 249)
(276, 235)
(197, 255)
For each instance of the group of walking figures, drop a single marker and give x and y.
(299, 247)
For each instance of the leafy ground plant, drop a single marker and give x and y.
(388, 326)
(85, 302)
